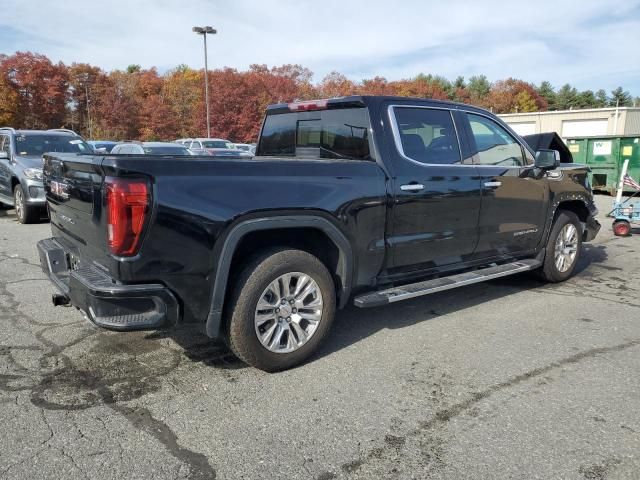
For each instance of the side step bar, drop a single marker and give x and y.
(405, 292)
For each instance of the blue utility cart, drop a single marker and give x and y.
(625, 213)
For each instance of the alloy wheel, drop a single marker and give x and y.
(288, 312)
(19, 203)
(566, 247)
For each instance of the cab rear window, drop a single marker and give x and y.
(324, 134)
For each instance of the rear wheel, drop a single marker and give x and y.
(621, 228)
(281, 309)
(26, 213)
(563, 248)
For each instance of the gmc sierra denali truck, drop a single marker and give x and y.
(366, 199)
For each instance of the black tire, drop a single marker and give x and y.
(26, 213)
(256, 276)
(549, 271)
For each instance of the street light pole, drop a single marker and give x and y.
(203, 31)
(86, 90)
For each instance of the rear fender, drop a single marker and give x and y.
(344, 269)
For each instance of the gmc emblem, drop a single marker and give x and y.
(59, 189)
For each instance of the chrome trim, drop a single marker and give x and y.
(492, 184)
(398, 141)
(411, 187)
(521, 267)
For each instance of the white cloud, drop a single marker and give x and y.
(589, 43)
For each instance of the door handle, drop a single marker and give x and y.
(411, 187)
(492, 184)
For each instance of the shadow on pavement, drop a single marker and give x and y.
(354, 324)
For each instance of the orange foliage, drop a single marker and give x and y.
(143, 104)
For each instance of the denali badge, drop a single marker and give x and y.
(59, 189)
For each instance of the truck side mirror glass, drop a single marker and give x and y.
(547, 159)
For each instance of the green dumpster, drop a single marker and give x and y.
(630, 148)
(605, 156)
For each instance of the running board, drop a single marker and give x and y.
(405, 292)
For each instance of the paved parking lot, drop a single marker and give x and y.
(509, 379)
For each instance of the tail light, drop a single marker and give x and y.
(308, 106)
(127, 208)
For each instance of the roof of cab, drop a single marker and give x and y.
(355, 101)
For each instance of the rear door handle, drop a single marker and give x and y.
(492, 184)
(411, 187)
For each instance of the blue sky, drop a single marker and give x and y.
(590, 44)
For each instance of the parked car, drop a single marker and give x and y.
(245, 147)
(183, 141)
(21, 166)
(216, 147)
(370, 199)
(102, 146)
(150, 148)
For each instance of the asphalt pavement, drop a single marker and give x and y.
(509, 379)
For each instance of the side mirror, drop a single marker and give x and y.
(4, 155)
(547, 159)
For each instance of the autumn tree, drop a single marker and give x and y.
(85, 82)
(117, 107)
(9, 102)
(336, 84)
(156, 120)
(422, 86)
(513, 95)
(139, 103)
(376, 86)
(42, 89)
(182, 91)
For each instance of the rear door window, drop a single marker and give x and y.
(325, 134)
(427, 135)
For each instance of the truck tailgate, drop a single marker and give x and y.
(73, 189)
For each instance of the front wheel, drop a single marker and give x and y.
(281, 309)
(563, 248)
(26, 213)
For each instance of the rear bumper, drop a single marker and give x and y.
(591, 229)
(102, 300)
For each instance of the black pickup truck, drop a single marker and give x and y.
(366, 199)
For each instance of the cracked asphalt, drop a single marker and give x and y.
(508, 379)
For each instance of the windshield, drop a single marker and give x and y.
(244, 148)
(177, 150)
(39, 144)
(217, 144)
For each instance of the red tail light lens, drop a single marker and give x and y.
(127, 207)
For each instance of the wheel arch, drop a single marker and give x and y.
(576, 206)
(232, 245)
